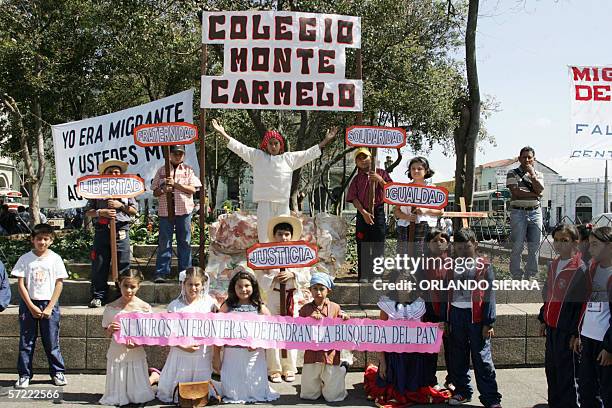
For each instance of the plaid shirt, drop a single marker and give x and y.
(183, 202)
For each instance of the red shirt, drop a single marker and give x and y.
(359, 188)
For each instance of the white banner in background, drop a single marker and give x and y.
(82, 145)
(591, 112)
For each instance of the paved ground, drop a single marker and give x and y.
(520, 387)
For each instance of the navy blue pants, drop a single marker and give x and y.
(100, 267)
(594, 380)
(370, 242)
(561, 365)
(49, 333)
(466, 339)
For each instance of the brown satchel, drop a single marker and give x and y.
(195, 394)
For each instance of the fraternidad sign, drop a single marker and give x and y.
(282, 60)
(276, 255)
(416, 195)
(376, 136)
(165, 134)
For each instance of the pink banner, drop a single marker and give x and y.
(278, 332)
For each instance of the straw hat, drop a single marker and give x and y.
(295, 223)
(112, 163)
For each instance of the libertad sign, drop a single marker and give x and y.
(108, 186)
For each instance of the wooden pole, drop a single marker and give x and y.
(463, 207)
(169, 194)
(113, 247)
(283, 306)
(203, 190)
(411, 234)
(605, 189)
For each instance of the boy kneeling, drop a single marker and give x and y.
(322, 372)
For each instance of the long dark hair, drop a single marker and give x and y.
(232, 298)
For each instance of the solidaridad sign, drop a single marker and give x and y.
(109, 186)
(274, 255)
(376, 136)
(165, 134)
(416, 195)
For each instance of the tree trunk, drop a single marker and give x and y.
(474, 100)
(40, 170)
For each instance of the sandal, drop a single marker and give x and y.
(275, 378)
(289, 377)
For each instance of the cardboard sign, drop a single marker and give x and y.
(274, 255)
(416, 195)
(108, 186)
(277, 332)
(376, 136)
(465, 214)
(165, 134)
(282, 60)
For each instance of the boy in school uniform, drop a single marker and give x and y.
(40, 275)
(371, 226)
(563, 294)
(322, 373)
(595, 342)
(283, 228)
(470, 316)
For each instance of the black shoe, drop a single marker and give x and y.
(159, 279)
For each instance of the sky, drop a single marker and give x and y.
(523, 50)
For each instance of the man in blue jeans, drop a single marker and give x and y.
(183, 183)
(526, 186)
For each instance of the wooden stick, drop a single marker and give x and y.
(463, 207)
(169, 194)
(283, 306)
(203, 193)
(373, 184)
(113, 247)
(411, 234)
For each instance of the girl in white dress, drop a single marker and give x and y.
(244, 371)
(188, 363)
(127, 377)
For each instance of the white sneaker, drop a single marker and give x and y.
(59, 379)
(22, 382)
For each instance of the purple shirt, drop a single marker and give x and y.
(359, 188)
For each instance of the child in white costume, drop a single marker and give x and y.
(243, 370)
(283, 229)
(188, 363)
(127, 377)
(272, 172)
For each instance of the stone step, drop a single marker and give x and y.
(77, 292)
(84, 342)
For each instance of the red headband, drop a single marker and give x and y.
(272, 134)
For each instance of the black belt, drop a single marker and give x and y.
(526, 208)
